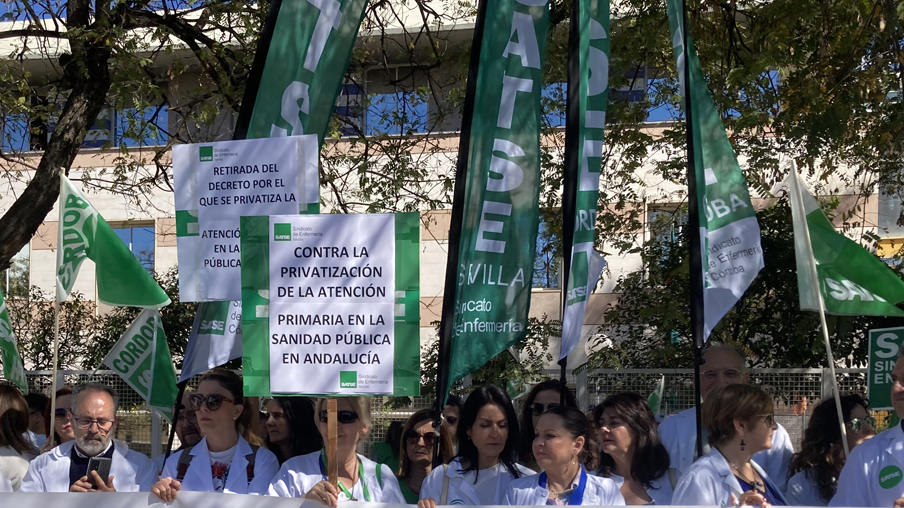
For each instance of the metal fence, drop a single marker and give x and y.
(795, 391)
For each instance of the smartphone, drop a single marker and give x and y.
(102, 466)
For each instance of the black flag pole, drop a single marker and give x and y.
(570, 176)
(696, 255)
(458, 211)
(178, 408)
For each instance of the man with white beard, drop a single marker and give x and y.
(65, 468)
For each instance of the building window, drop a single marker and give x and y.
(664, 224)
(891, 213)
(15, 280)
(140, 240)
(396, 113)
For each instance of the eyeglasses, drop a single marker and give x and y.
(85, 423)
(344, 417)
(729, 374)
(857, 424)
(538, 409)
(188, 414)
(214, 401)
(768, 419)
(413, 438)
(62, 412)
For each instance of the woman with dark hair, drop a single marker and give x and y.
(62, 421)
(229, 459)
(543, 396)
(740, 423)
(565, 449)
(451, 416)
(487, 447)
(632, 454)
(815, 470)
(16, 451)
(416, 454)
(290, 427)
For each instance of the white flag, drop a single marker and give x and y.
(216, 338)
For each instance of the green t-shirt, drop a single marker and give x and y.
(410, 497)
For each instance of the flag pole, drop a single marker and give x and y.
(56, 310)
(458, 210)
(811, 267)
(569, 182)
(696, 256)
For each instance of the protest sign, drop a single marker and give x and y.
(884, 345)
(216, 183)
(330, 304)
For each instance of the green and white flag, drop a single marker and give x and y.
(655, 398)
(499, 228)
(852, 280)
(729, 232)
(13, 370)
(84, 234)
(593, 83)
(304, 67)
(142, 359)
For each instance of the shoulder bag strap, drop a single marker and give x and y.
(445, 492)
(182, 466)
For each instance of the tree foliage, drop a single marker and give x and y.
(652, 317)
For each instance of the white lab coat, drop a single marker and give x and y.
(678, 434)
(461, 484)
(198, 477)
(803, 490)
(50, 471)
(299, 474)
(660, 490)
(710, 482)
(526, 491)
(871, 462)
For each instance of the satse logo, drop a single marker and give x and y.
(348, 379)
(205, 153)
(282, 232)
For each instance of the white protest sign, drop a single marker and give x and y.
(217, 183)
(332, 300)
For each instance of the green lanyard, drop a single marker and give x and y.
(341, 486)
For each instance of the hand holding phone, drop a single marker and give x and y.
(102, 466)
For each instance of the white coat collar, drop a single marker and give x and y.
(237, 470)
(895, 444)
(120, 449)
(721, 466)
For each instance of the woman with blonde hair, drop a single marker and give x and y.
(229, 458)
(16, 451)
(416, 452)
(360, 479)
(740, 423)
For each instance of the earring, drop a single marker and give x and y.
(742, 444)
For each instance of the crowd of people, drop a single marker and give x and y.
(553, 454)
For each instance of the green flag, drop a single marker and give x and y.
(852, 280)
(84, 234)
(304, 67)
(13, 370)
(499, 228)
(142, 359)
(655, 398)
(586, 262)
(729, 232)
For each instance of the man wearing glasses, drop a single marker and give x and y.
(65, 468)
(722, 365)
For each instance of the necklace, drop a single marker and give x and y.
(757, 485)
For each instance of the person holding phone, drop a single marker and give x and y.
(93, 461)
(229, 458)
(360, 479)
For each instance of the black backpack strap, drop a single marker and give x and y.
(249, 469)
(184, 461)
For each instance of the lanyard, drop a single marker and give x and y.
(341, 486)
(577, 496)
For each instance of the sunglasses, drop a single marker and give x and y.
(413, 438)
(344, 417)
(62, 412)
(768, 419)
(213, 401)
(857, 424)
(538, 409)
